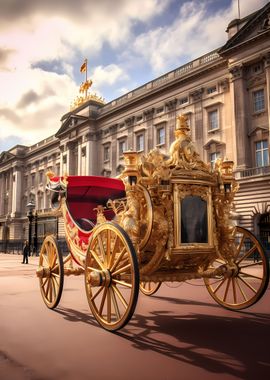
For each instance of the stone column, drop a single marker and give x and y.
(170, 126)
(10, 191)
(198, 120)
(148, 114)
(267, 74)
(91, 155)
(240, 115)
(16, 192)
(2, 190)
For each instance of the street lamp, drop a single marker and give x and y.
(30, 207)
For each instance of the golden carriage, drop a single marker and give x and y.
(166, 219)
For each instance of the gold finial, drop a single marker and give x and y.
(181, 126)
(83, 90)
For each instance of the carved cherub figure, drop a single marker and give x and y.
(182, 151)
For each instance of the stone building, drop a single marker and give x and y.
(226, 96)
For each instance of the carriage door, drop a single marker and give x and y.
(192, 215)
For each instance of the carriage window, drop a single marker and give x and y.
(194, 221)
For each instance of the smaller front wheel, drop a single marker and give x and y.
(111, 276)
(50, 272)
(149, 288)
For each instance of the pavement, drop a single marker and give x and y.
(178, 334)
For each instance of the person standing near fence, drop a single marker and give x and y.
(26, 251)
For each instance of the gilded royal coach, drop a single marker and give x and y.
(165, 219)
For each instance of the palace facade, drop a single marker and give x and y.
(226, 96)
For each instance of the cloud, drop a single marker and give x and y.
(193, 33)
(108, 75)
(41, 41)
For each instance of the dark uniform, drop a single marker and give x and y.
(26, 251)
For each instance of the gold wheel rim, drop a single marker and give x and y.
(149, 288)
(249, 277)
(51, 284)
(112, 295)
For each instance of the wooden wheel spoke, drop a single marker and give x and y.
(219, 285)
(227, 289)
(97, 293)
(50, 290)
(53, 287)
(56, 267)
(55, 275)
(251, 265)
(54, 261)
(101, 306)
(241, 290)
(121, 254)
(109, 306)
(251, 275)
(46, 259)
(120, 296)
(97, 260)
(121, 270)
(115, 304)
(238, 249)
(108, 253)
(101, 248)
(234, 291)
(45, 282)
(122, 283)
(47, 288)
(247, 284)
(249, 252)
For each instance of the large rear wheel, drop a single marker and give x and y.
(111, 276)
(246, 281)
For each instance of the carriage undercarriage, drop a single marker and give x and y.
(172, 225)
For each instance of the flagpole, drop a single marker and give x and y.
(86, 63)
(239, 9)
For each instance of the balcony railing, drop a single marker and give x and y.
(252, 172)
(147, 87)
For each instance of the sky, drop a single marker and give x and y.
(127, 43)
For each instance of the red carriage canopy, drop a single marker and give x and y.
(84, 193)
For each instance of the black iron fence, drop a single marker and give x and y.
(16, 246)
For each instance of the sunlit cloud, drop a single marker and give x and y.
(43, 43)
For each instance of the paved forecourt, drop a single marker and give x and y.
(178, 333)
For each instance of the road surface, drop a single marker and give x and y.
(180, 333)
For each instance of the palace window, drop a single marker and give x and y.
(122, 147)
(106, 153)
(213, 120)
(211, 90)
(213, 157)
(41, 174)
(161, 136)
(33, 180)
(140, 142)
(183, 100)
(258, 101)
(262, 153)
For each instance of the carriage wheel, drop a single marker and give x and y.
(149, 288)
(248, 279)
(111, 276)
(50, 272)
